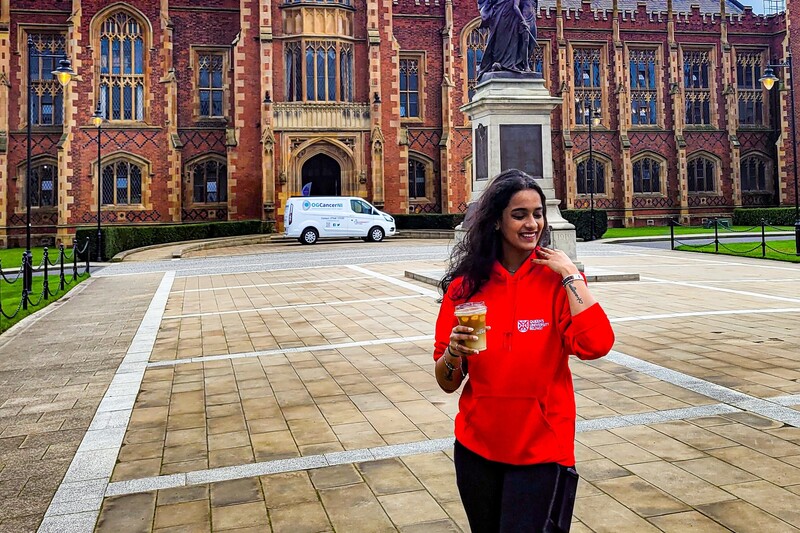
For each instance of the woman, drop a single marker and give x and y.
(515, 428)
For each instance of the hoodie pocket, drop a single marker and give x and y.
(513, 427)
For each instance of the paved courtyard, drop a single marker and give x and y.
(280, 388)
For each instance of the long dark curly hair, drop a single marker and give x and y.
(474, 256)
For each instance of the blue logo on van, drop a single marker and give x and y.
(306, 205)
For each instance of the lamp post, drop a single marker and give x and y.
(97, 120)
(768, 79)
(591, 117)
(63, 74)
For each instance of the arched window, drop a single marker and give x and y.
(122, 183)
(416, 179)
(701, 173)
(588, 174)
(44, 178)
(754, 174)
(209, 181)
(122, 67)
(475, 45)
(646, 176)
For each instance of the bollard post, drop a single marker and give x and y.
(61, 261)
(716, 235)
(74, 260)
(763, 238)
(671, 234)
(45, 281)
(87, 254)
(25, 267)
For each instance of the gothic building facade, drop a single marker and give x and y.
(221, 109)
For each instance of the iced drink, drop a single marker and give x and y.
(473, 315)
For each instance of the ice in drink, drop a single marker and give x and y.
(473, 315)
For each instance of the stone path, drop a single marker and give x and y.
(301, 398)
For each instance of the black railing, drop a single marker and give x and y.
(27, 270)
(722, 225)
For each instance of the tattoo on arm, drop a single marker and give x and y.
(449, 375)
(575, 292)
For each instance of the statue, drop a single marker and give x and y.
(512, 35)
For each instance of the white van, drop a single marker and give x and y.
(307, 218)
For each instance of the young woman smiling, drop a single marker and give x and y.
(515, 429)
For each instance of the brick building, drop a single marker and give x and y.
(220, 109)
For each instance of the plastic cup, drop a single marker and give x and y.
(473, 315)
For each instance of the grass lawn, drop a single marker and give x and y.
(11, 295)
(746, 249)
(648, 231)
(12, 257)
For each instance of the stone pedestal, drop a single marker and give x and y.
(511, 129)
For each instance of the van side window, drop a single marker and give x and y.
(356, 206)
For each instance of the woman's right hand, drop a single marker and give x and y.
(458, 337)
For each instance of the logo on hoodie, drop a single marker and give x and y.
(524, 326)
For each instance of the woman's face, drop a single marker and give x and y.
(522, 223)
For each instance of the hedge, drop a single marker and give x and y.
(428, 221)
(117, 239)
(581, 219)
(776, 216)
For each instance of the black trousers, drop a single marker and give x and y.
(503, 498)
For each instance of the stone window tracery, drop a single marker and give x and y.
(410, 88)
(47, 103)
(44, 179)
(754, 173)
(416, 178)
(122, 68)
(210, 84)
(588, 84)
(587, 175)
(749, 90)
(643, 84)
(701, 174)
(318, 70)
(209, 181)
(647, 176)
(122, 183)
(697, 84)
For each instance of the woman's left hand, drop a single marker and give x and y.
(555, 260)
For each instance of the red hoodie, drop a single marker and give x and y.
(518, 405)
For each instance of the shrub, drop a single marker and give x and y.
(120, 238)
(776, 216)
(581, 219)
(428, 221)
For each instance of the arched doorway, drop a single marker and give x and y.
(324, 174)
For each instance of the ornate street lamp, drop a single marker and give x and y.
(768, 79)
(63, 74)
(97, 121)
(591, 116)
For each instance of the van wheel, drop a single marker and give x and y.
(309, 236)
(375, 234)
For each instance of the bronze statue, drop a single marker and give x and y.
(512, 35)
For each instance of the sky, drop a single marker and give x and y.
(757, 5)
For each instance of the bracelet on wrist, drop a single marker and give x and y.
(450, 367)
(572, 277)
(451, 352)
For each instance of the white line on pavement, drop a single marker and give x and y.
(696, 285)
(302, 282)
(705, 313)
(285, 351)
(726, 395)
(77, 502)
(297, 306)
(212, 475)
(395, 281)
